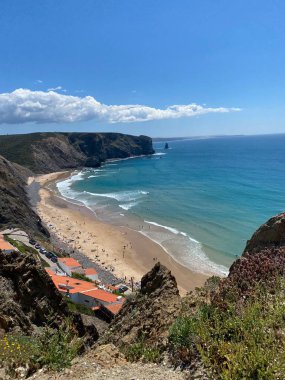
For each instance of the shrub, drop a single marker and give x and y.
(57, 348)
(78, 308)
(52, 348)
(245, 340)
(139, 351)
(80, 276)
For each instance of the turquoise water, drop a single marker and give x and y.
(201, 199)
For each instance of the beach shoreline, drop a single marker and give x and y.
(123, 251)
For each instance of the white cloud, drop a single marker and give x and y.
(23, 105)
(39, 81)
(57, 88)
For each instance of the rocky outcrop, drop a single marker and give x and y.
(148, 316)
(15, 210)
(29, 299)
(50, 152)
(270, 234)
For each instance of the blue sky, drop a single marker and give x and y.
(222, 55)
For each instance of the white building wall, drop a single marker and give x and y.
(69, 270)
(93, 277)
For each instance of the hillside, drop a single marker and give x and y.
(50, 152)
(232, 328)
(15, 210)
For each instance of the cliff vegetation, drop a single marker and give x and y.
(51, 152)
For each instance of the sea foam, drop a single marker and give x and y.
(184, 249)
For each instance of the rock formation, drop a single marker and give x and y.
(15, 210)
(270, 234)
(51, 152)
(29, 299)
(148, 316)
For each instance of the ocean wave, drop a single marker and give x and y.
(159, 154)
(188, 251)
(64, 187)
(171, 229)
(128, 206)
(121, 196)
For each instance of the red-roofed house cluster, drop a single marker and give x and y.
(70, 265)
(88, 294)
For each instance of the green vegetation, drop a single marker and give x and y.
(52, 348)
(19, 245)
(23, 248)
(77, 308)
(117, 293)
(242, 339)
(14, 148)
(80, 276)
(140, 351)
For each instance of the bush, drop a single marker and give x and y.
(57, 348)
(246, 340)
(80, 276)
(78, 308)
(52, 348)
(139, 351)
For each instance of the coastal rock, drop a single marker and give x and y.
(15, 210)
(270, 234)
(51, 152)
(29, 299)
(148, 315)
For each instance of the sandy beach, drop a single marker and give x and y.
(125, 252)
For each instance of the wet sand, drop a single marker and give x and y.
(125, 252)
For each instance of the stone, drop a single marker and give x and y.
(269, 234)
(148, 315)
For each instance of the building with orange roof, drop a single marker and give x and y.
(70, 265)
(88, 294)
(91, 273)
(5, 246)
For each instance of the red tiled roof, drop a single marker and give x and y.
(77, 285)
(101, 295)
(115, 307)
(4, 245)
(90, 271)
(69, 262)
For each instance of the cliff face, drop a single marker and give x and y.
(269, 234)
(15, 210)
(150, 313)
(28, 298)
(48, 152)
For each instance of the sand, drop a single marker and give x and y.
(125, 252)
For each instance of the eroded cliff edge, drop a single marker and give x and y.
(51, 152)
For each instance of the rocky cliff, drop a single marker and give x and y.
(269, 234)
(50, 152)
(148, 316)
(15, 210)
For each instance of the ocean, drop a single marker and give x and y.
(200, 200)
